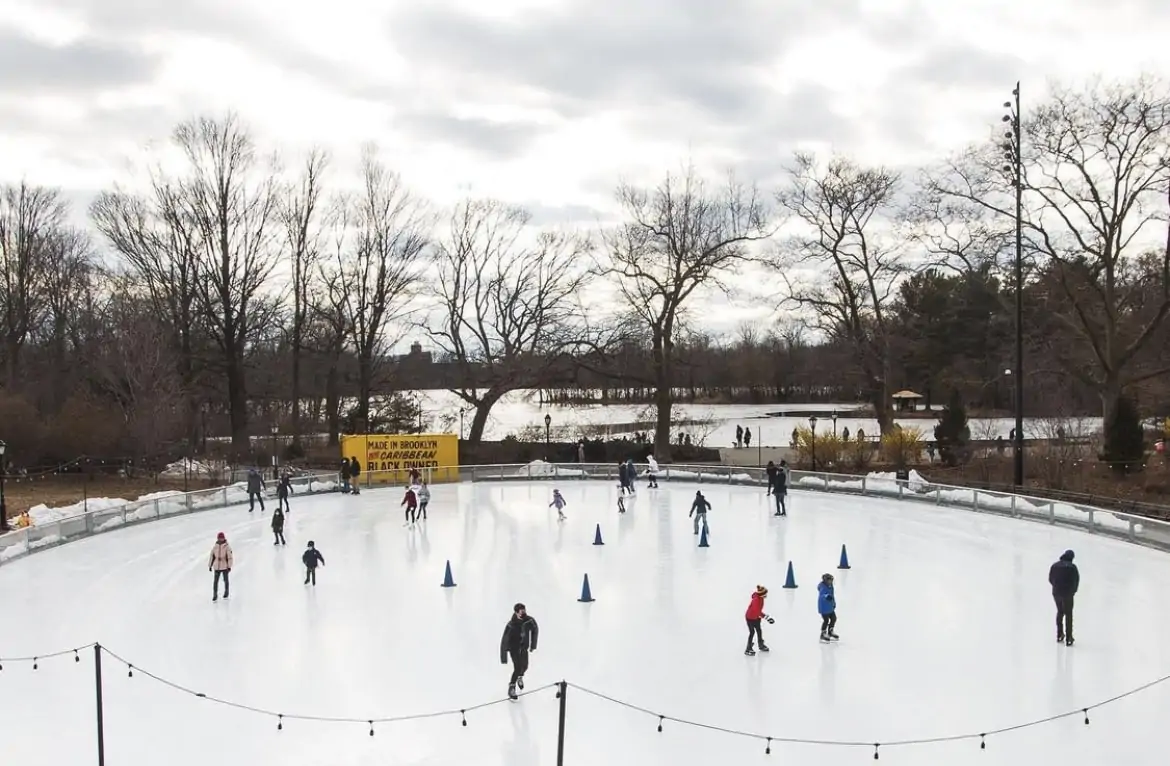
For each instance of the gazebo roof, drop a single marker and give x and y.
(906, 394)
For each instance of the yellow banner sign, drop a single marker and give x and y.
(388, 457)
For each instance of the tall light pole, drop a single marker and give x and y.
(1013, 152)
(812, 424)
(3, 505)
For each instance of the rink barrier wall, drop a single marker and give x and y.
(1134, 528)
(22, 542)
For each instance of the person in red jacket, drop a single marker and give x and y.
(411, 503)
(755, 613)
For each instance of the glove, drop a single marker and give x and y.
(770, 620)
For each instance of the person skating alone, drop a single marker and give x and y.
(355, 470)
(699, 510)
(1065, 578)
(559, 503)
(827, 607)
(424, 497)
(278, 526)
(221, 563)
(255, 489)
(410, 501)
(780, 489)
(652, 471)
(520, 635)
(311, 558)
(754, 615)
(283, 490)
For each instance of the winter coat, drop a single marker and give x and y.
(255, 483)
(520, 635)
(311, 557)
(345, 474)
(283, 488)
(1064, 577)
(424, 494)
(652, 465)
(410, 500)
(221, 557)
(699, 506)
(826, 600)
(278, 522)
(755, 610)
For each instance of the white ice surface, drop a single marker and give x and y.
(946, 620)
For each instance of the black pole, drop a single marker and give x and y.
(561, 724)
(101, 730)
(1019, 162)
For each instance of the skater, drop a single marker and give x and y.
(623, 477)
(780, 489)
(652, 471)
(283, 490)
(631, 474)
(827, 606)
(221, 563)
(1065, 578)
(754, 614)
(311, 558)
(559, 503)
(344, 474)
(770, 473)
(255, 487)
(424, 497)
(355, 470)
(699, 510)
(519, 639)
(278, 526)
(410, 500)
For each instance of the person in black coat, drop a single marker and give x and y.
(311, 558)
(520, 635)
(1065, 578)
(278, 527)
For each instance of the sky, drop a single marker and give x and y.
(544, 103)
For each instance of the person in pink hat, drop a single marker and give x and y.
(220, 563)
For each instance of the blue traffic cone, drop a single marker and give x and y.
(844, 558)
(586, 594)
(703, 538)
(790, 580)
(597, 536)
(448, 580)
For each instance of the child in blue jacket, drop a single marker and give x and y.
(827, 606)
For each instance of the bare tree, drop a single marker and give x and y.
(509, 305)
(678, 238)
(301, 213)
(1097, 195)
(30, 217)
(840, 267)
(378, 268)
(231, 199)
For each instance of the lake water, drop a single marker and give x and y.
(519, 414)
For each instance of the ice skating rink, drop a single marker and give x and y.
(946, 623)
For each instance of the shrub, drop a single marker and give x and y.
(952, 434)
(903, 446)
(1124, 440)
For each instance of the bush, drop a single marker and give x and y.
(952, 434)
(903, 446)
(1124, 441)
(827, 448)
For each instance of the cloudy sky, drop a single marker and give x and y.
(546, 103)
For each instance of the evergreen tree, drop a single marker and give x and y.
(1124, 441)
(952, 433)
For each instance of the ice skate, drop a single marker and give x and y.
(512, 691)
(520, 683)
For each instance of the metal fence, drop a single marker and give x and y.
(1143, 530)
(163, 505)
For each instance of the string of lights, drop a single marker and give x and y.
(662, 718)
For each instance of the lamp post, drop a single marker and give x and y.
(275, 431)
(812, 424)
(547, 427)
(834, 424)
(1012, 148)
(3, 506)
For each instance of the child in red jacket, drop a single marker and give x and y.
(411, 503)
(755, 613)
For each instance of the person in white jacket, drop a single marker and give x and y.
(652, 471)
(424, 497)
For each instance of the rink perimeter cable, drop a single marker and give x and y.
(768, 740)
